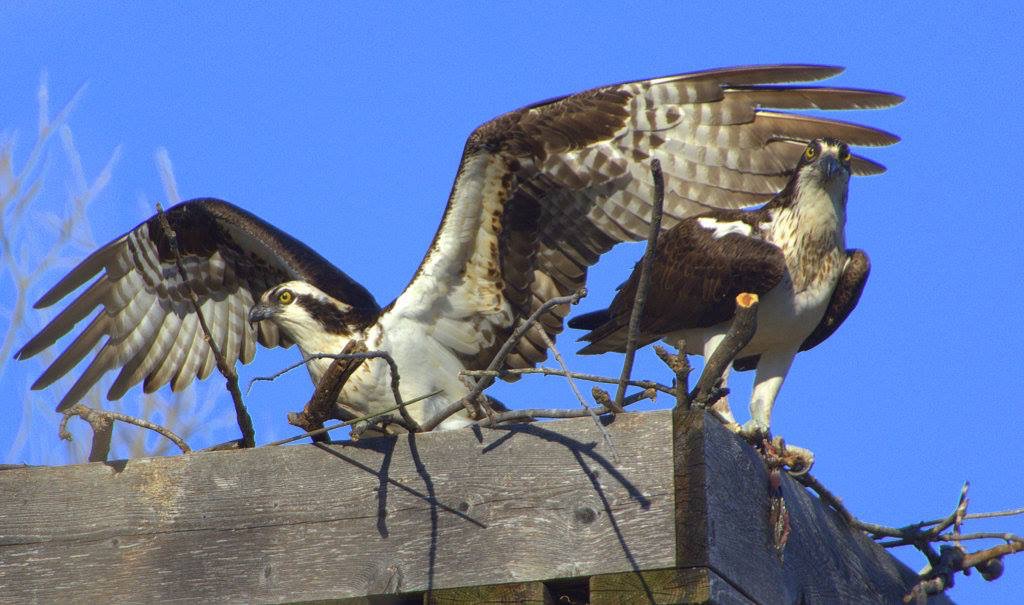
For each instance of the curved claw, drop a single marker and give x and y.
(804, 457)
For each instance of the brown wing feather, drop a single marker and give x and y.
(695, 278)
(844, 300)
(147, 321)
(576, 170)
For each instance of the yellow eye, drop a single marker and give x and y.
(285, 297)
(810, 152)
(844, 155)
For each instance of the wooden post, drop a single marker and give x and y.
(534, 513)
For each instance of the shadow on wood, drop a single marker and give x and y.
(533, 513)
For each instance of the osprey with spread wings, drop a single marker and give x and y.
(540, 194)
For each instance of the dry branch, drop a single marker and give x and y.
(353, 421)
(320, 406)
(579, 396)
(645, 283)
(554, 413)
(326, 394)
(680, 366)
(227, 370)
(102, 423)
(643, 384)
(949, 560)
(742, 329)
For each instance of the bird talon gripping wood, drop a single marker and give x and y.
(540, 194)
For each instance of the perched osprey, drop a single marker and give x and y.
(540, 194)
(791, 252)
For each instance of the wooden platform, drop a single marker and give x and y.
(679, 515)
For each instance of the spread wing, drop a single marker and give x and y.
(543, 191)
(150, 329)
(843, 301)
(695, 278)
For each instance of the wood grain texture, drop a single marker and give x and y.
(722, 524)
(385, 520)
(381, 516)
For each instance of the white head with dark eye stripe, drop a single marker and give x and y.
(305, 313)
(827, 162)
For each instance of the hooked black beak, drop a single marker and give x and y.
(260, 312)
(830, 166)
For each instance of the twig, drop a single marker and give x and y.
(579, 396)
(321, 405)
(982, 535)
(643, 384)
(340, 373)
(536, 413)
(102, 421)
(680, 366)
(991, 515)
(955, 517)
(950, 559)
(474, 407)
(954, 559)
(226, 370)
(644, 284)
(272, 377)
(810, 481)
(363, 355)
(102, 430)
(367, 418)
(742, 329)
(499, 357)
(979, 559)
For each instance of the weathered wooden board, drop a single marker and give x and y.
(454, 510)
(722, 523)
(384, 515)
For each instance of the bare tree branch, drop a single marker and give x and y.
(350, 422)
(1013, 512)
(950, 559)
(227, 370)
(24, 194)
(982, 535)
(353, 351)
(552, 413)
(102, 422)
(742, 329)
(643, 384)
(645, 282)
(680, 366)
(320, 406)
(579, 396)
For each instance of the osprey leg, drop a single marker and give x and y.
(771, 372)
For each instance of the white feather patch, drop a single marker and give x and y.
(723, 229)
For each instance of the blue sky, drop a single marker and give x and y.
(344, 123)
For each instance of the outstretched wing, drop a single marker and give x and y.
(152, 332)
(543, 191)
(695, 278)
(843, 301)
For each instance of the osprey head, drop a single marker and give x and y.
(826, 162)
(302, 310)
